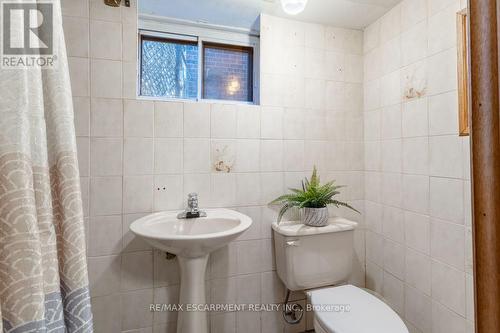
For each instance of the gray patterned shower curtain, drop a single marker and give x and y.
(43, 271)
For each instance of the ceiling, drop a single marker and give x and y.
(355, 14)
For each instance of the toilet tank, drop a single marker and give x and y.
(313, 257)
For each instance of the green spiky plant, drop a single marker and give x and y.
(312, 195)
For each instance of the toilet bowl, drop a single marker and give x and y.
(349, 309)
(313, 259)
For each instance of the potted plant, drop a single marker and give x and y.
(312, 201)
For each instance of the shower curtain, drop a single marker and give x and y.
(43, 271)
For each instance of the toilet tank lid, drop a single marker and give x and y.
(349, 309)
(296, 228)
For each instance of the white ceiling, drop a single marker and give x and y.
(244, 13)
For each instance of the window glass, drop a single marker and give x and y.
(169, 68)
(227, 72)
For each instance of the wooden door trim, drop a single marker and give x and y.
(463, 73)
(485, 159)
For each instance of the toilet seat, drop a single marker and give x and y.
(349, 309)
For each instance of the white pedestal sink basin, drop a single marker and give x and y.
(191, 240)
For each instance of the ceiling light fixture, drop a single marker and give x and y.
(293, 7)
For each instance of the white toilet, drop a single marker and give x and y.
(319, 261)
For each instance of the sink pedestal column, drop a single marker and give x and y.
(192, 293)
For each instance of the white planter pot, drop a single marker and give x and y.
(315, 217)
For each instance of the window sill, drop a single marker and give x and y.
(194, 100)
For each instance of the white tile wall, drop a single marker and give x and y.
(76, 26)
(106, 77)
(138, 118)
(138, 156)
(415, 174)
(105, 40)
(106, 117)
(80, 75)
(105, 235)
(168, 120)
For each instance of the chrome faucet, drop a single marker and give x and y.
(192, 210)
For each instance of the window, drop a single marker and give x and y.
(193, 62)
(169, 68)
(227, 72)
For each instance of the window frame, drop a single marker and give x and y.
(232, 48)
(163, 28)
(165, 39)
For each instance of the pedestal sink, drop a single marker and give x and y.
(191, 240)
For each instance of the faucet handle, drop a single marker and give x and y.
(193, 202)
(192, 210)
